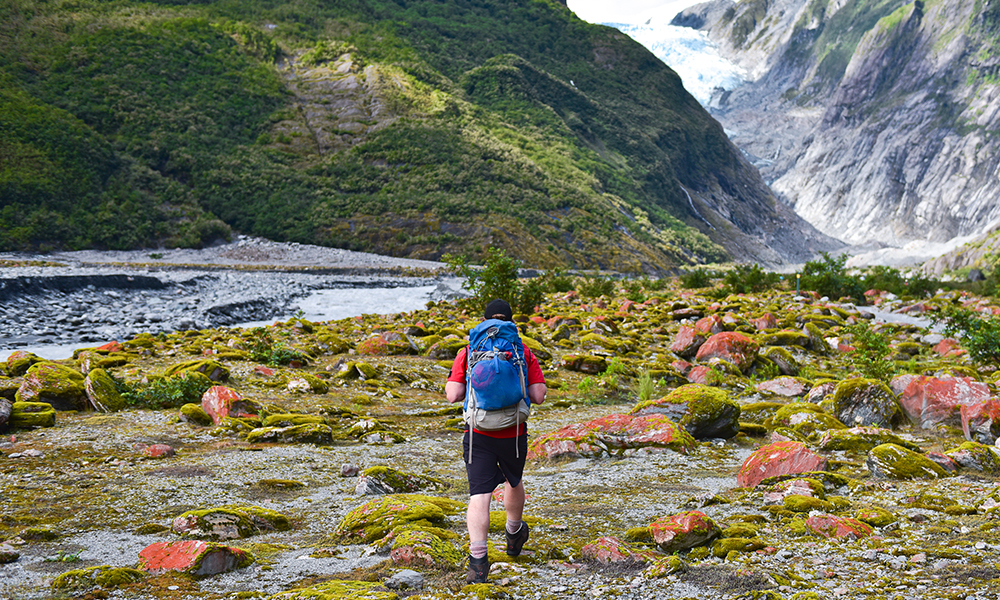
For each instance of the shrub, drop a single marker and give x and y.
(497, 278)
(749, 279)
(871, 352)
(979, 334)
(596, 286)
(697, 278)
(828, 278)
(264, 349)
(634, 290)
(165, 392)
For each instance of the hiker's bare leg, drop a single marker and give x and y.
(513, 501)
(477, 517)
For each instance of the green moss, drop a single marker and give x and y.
(194, 413)
(639, 534)
(484, 591)
(896, 462)
(862, 441)
(307, 433)
(338, 590)
(229, 522)
(799, 503)
(423, 547)
(876, 516)
(289, 420)
(740, 530)
(103, 576)
(25, 415)
(401, 482)
(721, 548)
(103, 391)
(214, 370)
(376, 518)
(785, 338)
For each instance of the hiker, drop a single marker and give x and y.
(493, 456)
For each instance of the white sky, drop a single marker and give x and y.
(628, 11)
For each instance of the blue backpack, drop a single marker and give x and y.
(495, 374)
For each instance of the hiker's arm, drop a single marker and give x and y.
(536, 392)
(454, 391)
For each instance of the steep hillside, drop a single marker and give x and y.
(876, 120)
(409, 128)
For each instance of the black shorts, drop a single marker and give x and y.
(494, 461)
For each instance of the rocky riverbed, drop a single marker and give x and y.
(85, 297)
(693, 445)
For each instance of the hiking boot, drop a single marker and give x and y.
(479, 568)
(515, 541)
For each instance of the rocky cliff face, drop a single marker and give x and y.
(876, 121)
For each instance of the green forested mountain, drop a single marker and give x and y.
(404, 127)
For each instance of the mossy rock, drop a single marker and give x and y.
(194, 413)
(804, 504)
(805, 418)
(307, 383)
(339, 590)
(55, 384)
(424, 344)
(332, 344)
(484, 591)
(976, 457)
(889, 461)
(721, 548)
(24, 415)
(596, 341)
(866, 402)
(862, 439)
(667, 566)
(740, 530)
(447, 349)
(876, 516)
(103, 392)
(20, 361)
(291, 419)
(373, 431)
(374, 519)
(703, 411)
(759, 412)
(229, 522)
(9, 387)
(387, 480)
(817, 342)
(104, 576)
(320, 434)
(214, 370)
(357, 370)
(417, 546)
(584, 363)
(781, 358)
(536, 348)
(785, 337)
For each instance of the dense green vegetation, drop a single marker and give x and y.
(509, 124)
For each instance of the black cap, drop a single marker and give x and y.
(498, 309)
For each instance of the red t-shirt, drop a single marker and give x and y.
(534, 376)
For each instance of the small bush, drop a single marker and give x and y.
(697, 279)
(165, 392)
(634, 290)
(595, 287)
(871, 352)
(979, 334)
(749, 279)
(828, 278)
(264, 349)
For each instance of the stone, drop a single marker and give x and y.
(419, 547)
(709, 325)
(786, 337)
(8, 554)
(930, 401)
(610, 549)
(387, 480)
(229, 522)
(683, 531)
(782, 358)
(889, 461)
(976, 457)
(703, 375)
(24, 415)
(840, 528)
(6, 407)
(790, 387)
(194, 413)
(779, 458)
(54, 384)
(103, 576)
(805, 418)
(876, 516)
(221, 402)
(320, 434)
(375, 519)
(730, 346)
(20, 361)
(981, 422)
(158, 451)
(866, 402)
(949, 348)
(405, 580)
(193, 557)
(447, 349)
(686, 342)
(102, 392)
(861, 439)
(337, 589)
(776, 493)
(612, 435)
(592, 365)
(819, 392)
(765, 321)
(214, 370)
(703, 411)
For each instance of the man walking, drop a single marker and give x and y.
(494, 459)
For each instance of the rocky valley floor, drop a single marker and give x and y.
(691, 447)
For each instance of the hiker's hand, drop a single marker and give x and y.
(536, 392)
(454, 391)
